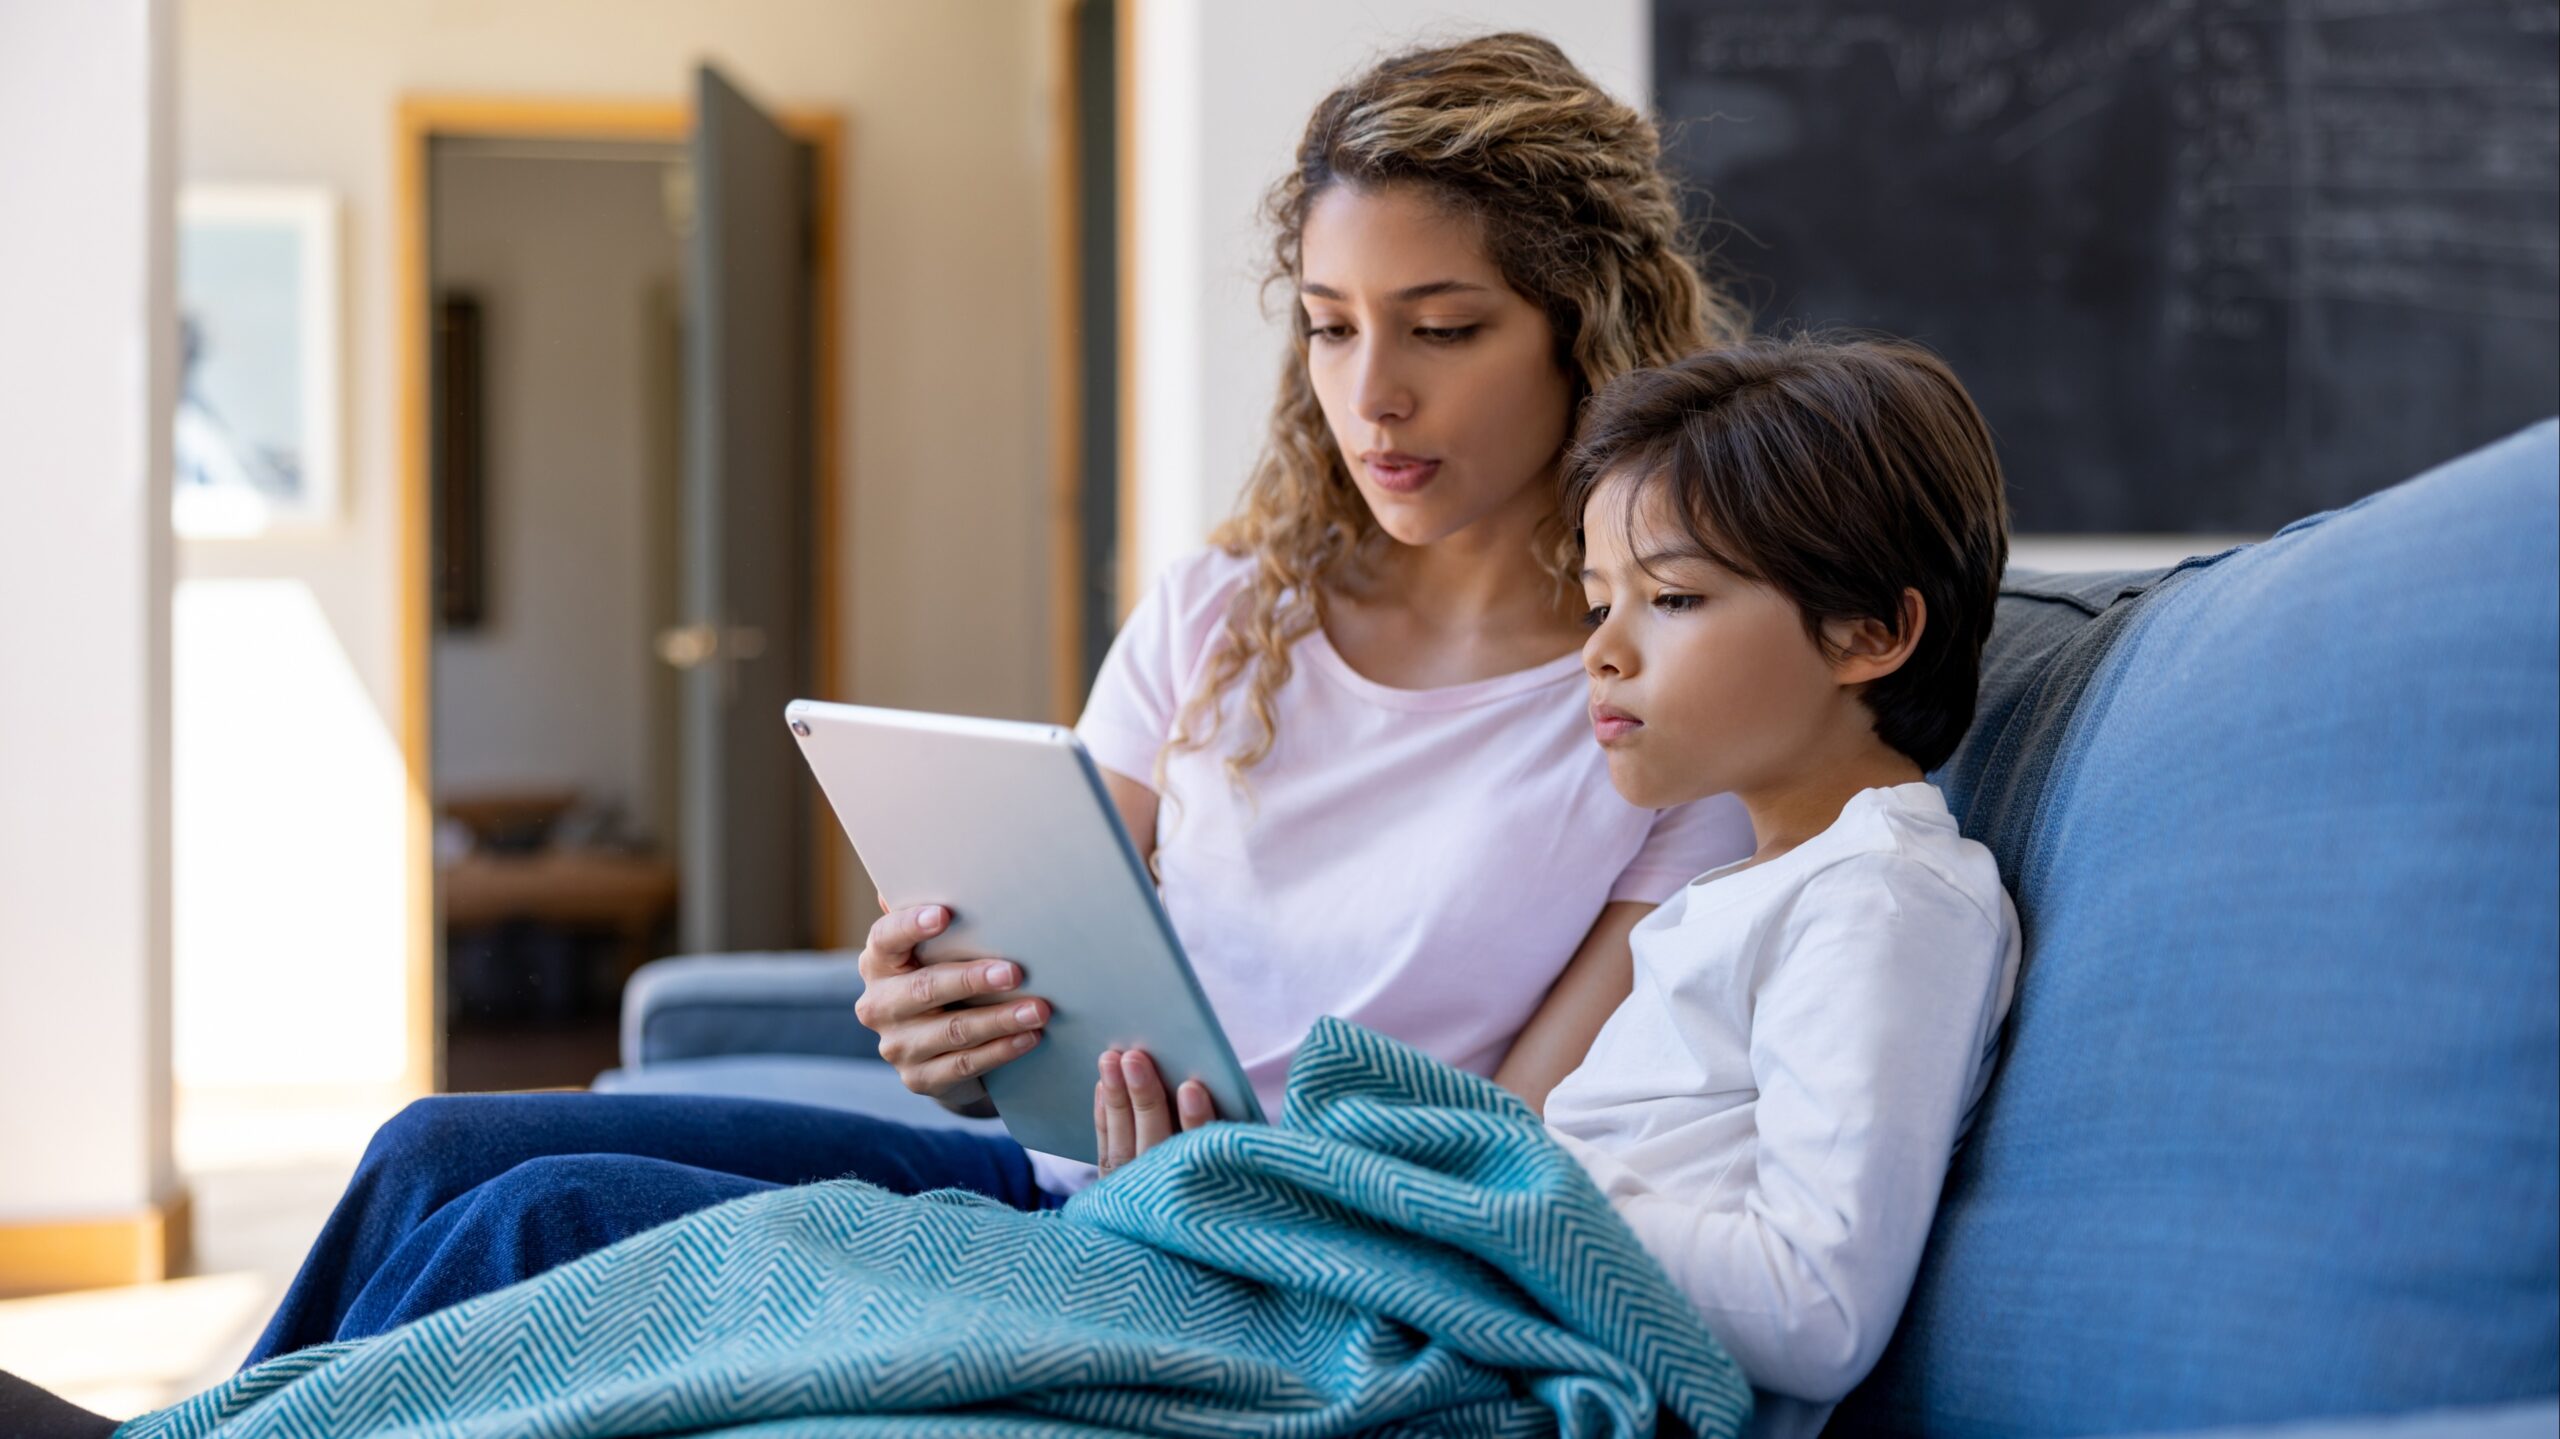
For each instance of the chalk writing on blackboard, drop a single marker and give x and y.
(2208, 263)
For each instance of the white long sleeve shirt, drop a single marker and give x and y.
(1774, 1106)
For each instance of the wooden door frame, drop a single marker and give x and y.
(423, 119)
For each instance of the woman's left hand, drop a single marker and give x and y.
(1131, 1113)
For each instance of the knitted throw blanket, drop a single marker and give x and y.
(1405, 1252)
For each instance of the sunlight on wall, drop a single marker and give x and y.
(286, 817)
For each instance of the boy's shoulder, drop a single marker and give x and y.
(1893, 877)
(1892, 849)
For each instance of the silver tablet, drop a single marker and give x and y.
(1010, 826)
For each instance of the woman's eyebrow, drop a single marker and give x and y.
(1409, 293)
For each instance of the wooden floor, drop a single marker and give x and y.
(263, 1174)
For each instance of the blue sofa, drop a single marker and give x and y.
(2277, 1130)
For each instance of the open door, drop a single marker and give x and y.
(744, 643)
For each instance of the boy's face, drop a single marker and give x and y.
(1701, 681)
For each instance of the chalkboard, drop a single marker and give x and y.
(2207, 265)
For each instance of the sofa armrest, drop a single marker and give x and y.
(698, 1005)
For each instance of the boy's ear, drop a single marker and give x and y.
(1864, 651)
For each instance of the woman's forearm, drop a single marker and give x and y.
(1594, 982)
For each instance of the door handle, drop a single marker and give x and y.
(687, 646)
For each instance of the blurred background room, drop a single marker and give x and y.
(442, 433)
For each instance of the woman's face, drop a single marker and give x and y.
(1438, 381)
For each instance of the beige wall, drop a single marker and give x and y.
(942, 545)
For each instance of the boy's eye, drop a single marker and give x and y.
(1677, 604)
(1592, 617)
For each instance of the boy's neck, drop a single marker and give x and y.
(1794, 808)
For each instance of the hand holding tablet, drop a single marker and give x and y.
(937, 1048)
(1132, 1113)
(1008, 830)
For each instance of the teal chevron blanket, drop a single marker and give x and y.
(1405, 1252)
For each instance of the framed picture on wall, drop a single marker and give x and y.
(257, 439)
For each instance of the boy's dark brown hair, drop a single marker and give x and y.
(1838, 472)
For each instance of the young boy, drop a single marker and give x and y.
(1792, 552)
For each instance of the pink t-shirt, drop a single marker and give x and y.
(1422, 862)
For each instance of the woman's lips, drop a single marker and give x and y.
(1609, 724)
(1399, 473)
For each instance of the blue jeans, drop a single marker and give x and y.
(463, 1194)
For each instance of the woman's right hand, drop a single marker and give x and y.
(935, 1047)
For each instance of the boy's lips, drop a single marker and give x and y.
(1610, 724)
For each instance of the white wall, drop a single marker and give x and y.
(555, 687)
(1223, 93)
(943, 401)
(87, 379)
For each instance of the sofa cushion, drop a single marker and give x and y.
(696, 1006)
(2277, 1132)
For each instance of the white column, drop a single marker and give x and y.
(87, 375)
(1221, 93)
(1165, 246)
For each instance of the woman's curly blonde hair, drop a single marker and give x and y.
(1566, 186)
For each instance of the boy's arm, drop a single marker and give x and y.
(1866, 1041)
(1595, 981)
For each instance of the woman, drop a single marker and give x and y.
(1351, 736)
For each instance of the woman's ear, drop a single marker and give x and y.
(1864, 651)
